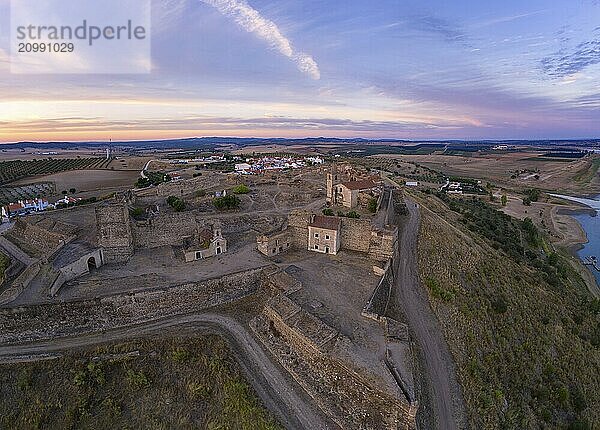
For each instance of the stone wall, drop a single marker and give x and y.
(43, 242)
(298, 227)
(75, 269)
(274, 244)
(382, 245)
(165, 229)
(114, 232)
(75, 318)
(356, 234)
(316, 356)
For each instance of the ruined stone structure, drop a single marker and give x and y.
(274, 244)
(76, 318)
(176, 228)
(354, 394)
(114, 232)
(210, 244)
(40, 239)
(74, 260)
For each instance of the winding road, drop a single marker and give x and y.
(279, 394)
(444, 392)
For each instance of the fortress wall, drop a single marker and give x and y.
(114, 233)
(166, 229)
(75, 318)
(298, 226)
(304, 347)
(383, 244)
(44, 241)
(356, 234)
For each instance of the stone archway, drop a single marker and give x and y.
(92, 263)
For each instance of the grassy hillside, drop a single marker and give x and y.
(163, 384)
(4, 263)
(520, 323)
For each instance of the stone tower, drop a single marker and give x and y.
(114, 233)
(332, 181)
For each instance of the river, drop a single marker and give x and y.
(591, 224)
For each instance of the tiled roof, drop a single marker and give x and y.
(359, 185)
(326, 222)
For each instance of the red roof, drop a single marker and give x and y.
(326, 222)
(206, 234)
(359, 185)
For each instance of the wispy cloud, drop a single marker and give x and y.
(564, 63)
(505, 19)
(442, 27)
(253, 22)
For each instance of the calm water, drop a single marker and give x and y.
(591, 225)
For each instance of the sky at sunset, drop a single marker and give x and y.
(297, 68)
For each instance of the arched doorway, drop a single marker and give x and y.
(91, 263)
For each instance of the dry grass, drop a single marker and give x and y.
(143, 384)
(527, 353)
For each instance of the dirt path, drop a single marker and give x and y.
(286, 400)
(445, 400)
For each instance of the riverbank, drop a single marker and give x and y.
(572, 221)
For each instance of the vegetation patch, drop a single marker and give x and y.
(227, 202)
(4, 263)
(241, 189)
(522, 326)
(159, 384)
(152, 178)
(177, 203)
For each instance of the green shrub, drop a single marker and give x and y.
(437, 291)
(176, 203)
(241, 189)
(328, 212)
(137, 379)
(372, 205)
(226, 202)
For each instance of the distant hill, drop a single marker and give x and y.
(211, 142)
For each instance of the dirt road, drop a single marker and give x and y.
(285, 399)
(445, 401)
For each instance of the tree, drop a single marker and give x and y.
(527, 201)
(176, 203)
(353, 214)
(241, 189)
(372, 205)
(226, 202)
(504, 200)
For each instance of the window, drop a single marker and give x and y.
(317, 247)
(327, 237)
(316, 235)
(198, 255)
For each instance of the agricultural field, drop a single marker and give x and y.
(160, 384)
(520, 169)
(31, 191)
(11, 171)
(90, 180)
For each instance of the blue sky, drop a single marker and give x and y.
(397, 69)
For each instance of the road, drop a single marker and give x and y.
(444, 393)
(284, 398)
